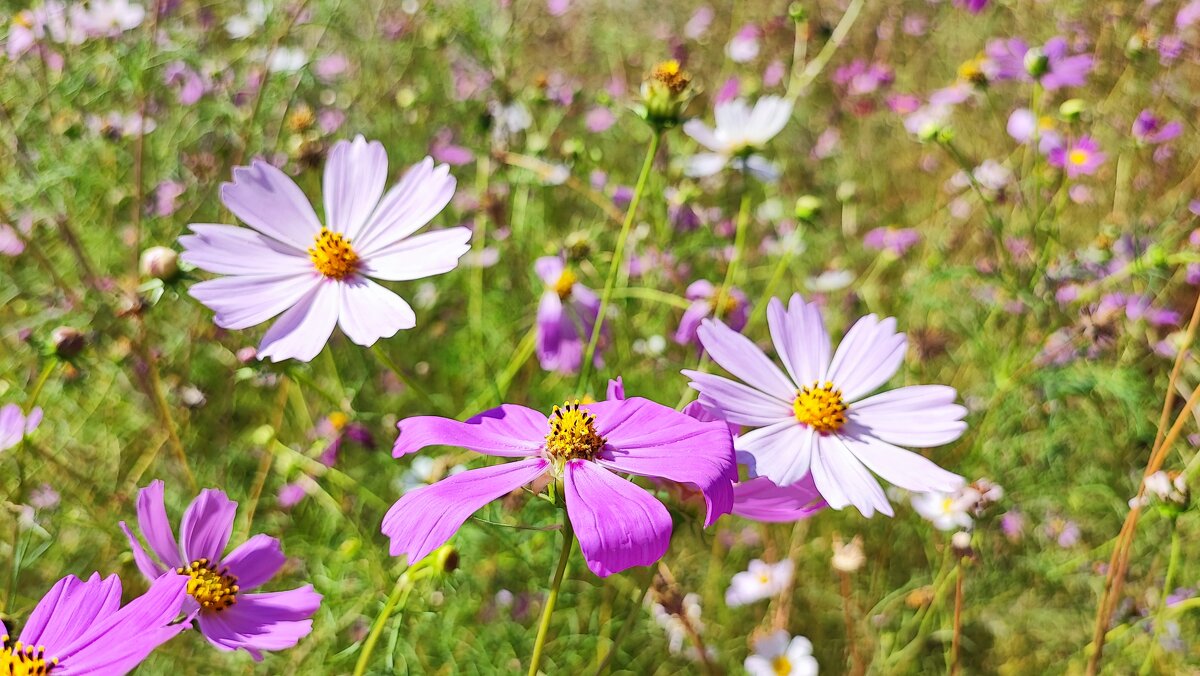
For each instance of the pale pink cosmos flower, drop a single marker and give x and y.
(321, 275)
(15, 425)
(818, 419)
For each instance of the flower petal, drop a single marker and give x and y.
(781, 452)
(148, 566)
(918, 415)
(901, 467)
(704, 164)
(271, 203)
(509, 431)
(619, 525)
(414, 201)
(258, 622)
(867, 357)
(703, 134)
(232, 250)
(425, 255)
(302, 331)
(370, 312)
(255, 561)
(68, 611)
(156, 527)
(761, 500)
(355, 175)
(740, 356)
(244, 301)
(207, 525)
(851, 482)
(425, 518)
(738, 403)
(800, 338)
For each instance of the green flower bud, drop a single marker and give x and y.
(808, 206)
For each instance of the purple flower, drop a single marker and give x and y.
(972, 6)
(566, 316)
(14, 424)
(1082, 158)
(1062, 68)
(80, 627)
(443, 149)
(698, 24)
(1051, 65)
(761, 500)
(744, 45)
(599, 119)
(704, 297)
(897, 241)
(1006, 59)
(1148, 128)
(587, 446)
(318, 276)
(816, 419)
(191, 84)
(228, 617)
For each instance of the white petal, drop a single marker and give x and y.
(370, 312)
(901, 467)
(419, 196)
(243, 301)
(800, 339)
(868, 357)
(355, 175)
(919, 415)
(740, 356)
(270, 202)
(856, 483)
(738, 403)
(302, 331)
(232, 250)
(781, 452)
(425, 255)
(704, 164)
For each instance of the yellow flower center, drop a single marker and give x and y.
(781, 665)
(214, 590)
(972, 71)
(727, 303)
(24, 660)
(672, 75)
(1078, 157)
(564, 284)
(572, 435)
(338, 420)
(821, 407)
(948, 505)
(332, 255)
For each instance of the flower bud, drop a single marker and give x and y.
(160, 262)
(1037, 63)
(797, 12)
(807, 207)
(1072, 109)
(665, 94)
(67, 341)
(848, 556)
(446, 558)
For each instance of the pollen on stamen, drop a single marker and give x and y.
(572, 434)
(821, 407)
(215, 590)
(24, 660)
(332, 255)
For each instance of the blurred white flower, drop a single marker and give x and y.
(253, 17)
(947, 511)
(848, 556)
(830, 280)
(759, 581)
(676, 623)
(740, 132)
(111, 17)
(287, 60)
(508, 120)
(778, 654)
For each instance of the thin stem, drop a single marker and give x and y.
(856, 663)
(412, 384)
(398, 597)
(956, 640)
(610, 282)
(41, 383)
(544, 628)
(814, 67)
(1168, 581)
(628, 624)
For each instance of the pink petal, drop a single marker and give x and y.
(302, 331)
(370, 312)
(419, 196)
(67, 612)
(255, 561)
(207, 525)
(919, 415)
(244, 301)
(424, 255)
(619, 525)
(761, 500)
(148, 566)
(800, 339)
(258, 622)
(853, 483)
(355, 175)
(231, 250)
(868, 356)
(425, 518)
(738, 403)
(119, 640)
(271, 203)
(901, 467)
(156, 527)
(740, 356)
(509, 431)
(781, 452)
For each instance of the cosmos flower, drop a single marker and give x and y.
(760, 580)
(896, 241)
(704, 296)
(779, 654)
(229, 617)
(318, 276)
(1081, 158)
(760, 499)
(815, 418)
(14, 424)
(587, 446)
(741, 132)
(566, 317)
(972, 6)
(1150, 129)
(81, 628)
(1051, 65)
(947, 511)
(743, 47)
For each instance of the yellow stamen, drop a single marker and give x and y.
(728, 303)
(332, 255)
(1078, 157)
(948, 505)
(24, 660)
(572, 435)
(564, 284)
(821, 407)
(338, 420)
(972, 71)
(214, 590)
(781, 665)
(672, 75)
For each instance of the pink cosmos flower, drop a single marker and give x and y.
(80, 627)
(228, 617)
(972, 6)
(587, 446)
(566, 315)
(318, 276)
(1149, 128)
(1082, 158)
(704, 296)
(815, 418)
(14, 424)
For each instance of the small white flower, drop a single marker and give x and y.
(779, 654)
(947, 511)
(248, 22)
(740, 132)
(287, 60)
(830, 280)
(759, 581)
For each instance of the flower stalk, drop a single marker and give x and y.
(539, 643)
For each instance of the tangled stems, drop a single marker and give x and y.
(544, 628)
(610, 282)
(1172, 568)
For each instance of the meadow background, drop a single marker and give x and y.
(116, 144)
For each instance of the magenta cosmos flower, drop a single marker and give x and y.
(229, 617)
(1081, 158)
(80, 628)
(619, 525)
(315, 275)
(566, 317)
(14, 425)
(816, 419)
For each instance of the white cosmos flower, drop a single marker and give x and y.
(779, 654)
(740, 133)
(947, 511)
(759, 581)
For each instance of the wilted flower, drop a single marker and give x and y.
(848, 557)
(779, 654)
(760, 580)
(159, 262)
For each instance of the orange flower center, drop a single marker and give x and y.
(821, 407)
(214, 590)
(24, 660)
(332, 255)
(572, 435)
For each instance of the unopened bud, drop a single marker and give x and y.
(447, 559)
(665, 94)
(797, 12)
(807, 207)
(160, 262)
(1072, 109)
(1037, 63)
(68, 342)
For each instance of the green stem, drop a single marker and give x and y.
(1172, 566)
(630, 619)
(412, 384)
(585, 368)
(399, 596)
(544, 628)
(814, 67)
(41, 383)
